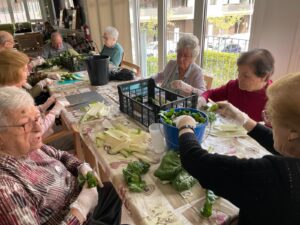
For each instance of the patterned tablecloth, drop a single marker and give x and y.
(160, 204)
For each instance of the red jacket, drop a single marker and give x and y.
(252, 103)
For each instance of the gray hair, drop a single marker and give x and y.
(112, 31)
(12, 98)
(4, 37)
(189, 41)
(54, 34)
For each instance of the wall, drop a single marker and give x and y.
(103, 13)
(276, 27)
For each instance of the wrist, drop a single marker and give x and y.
(78, 211)
(78, 215)
(186, 130)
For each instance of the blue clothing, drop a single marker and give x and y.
(115, 53)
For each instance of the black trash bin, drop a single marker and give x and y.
(97, 67)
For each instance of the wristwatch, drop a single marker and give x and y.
(187, 126)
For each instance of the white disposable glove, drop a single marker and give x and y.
(47, 104)
(84, 168)
(54, 76)
(58, 107)
(45, 82)
(182, 86)
(86, 201)
(36, 62)
(185, 120)
(201, 102)
(233, 114)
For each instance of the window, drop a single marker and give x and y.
(226, 37)
(19, 11)
(34, 9)
(4, 13)
(148, 36)
(212, 2)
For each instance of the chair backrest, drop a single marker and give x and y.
(208, 80)
(29, 41)
(128, 65)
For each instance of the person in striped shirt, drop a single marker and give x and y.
(38, 184)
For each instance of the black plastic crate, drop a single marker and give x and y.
(143, 100)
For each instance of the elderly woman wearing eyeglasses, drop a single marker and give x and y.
(38, 184)
(266, 189)
(183, 74)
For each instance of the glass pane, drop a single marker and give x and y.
(19, 11)
(227, 35)
(148, 36)
(34, 9)
(4, 13)
(180, 18)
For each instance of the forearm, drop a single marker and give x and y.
(228, 176)
(264, 136)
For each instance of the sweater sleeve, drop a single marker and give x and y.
(217, 94)
(241, 181)
(69, 161)
(48, 122)
(35, 91)
(264, 136)
(20, 209)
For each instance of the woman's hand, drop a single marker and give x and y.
(182, 121)
(86, 201)
(45, 82)
(58, 107)
(180, 85)
(232, 113)
(201, 102)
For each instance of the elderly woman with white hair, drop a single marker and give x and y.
(38, 184)
(265, 189)
(111, 47)
(183, 73)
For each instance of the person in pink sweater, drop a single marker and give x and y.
(248, 91)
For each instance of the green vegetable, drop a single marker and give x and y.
(183, 181)
(213, 108)
(169, 116)
(206, 210)
(89, 178)
(170, 166)
(211, 116)
(132, 175)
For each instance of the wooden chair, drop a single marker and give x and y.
(29, 42)
(208, 80)
(128, 65)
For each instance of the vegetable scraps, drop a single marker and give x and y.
(89, 178)
(124, 140)
(206, 210)
(94, 111)
(170, 116)
(133, 175)
(171, 170)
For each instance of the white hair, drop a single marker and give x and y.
(112, 31)
(189, 41)
(4, 37)
(12, 98)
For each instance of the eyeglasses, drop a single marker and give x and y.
(29, 125)
(179, 55)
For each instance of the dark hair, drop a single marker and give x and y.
(260, 60)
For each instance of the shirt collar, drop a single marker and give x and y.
(187, 73)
